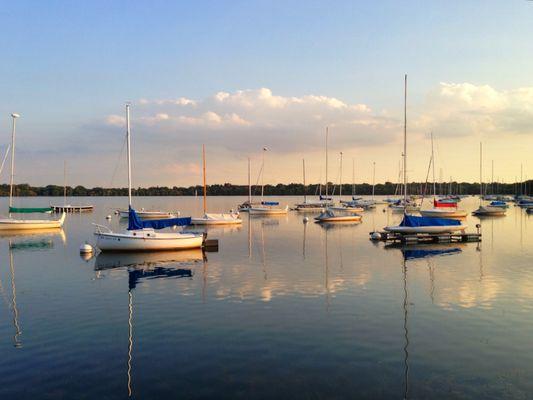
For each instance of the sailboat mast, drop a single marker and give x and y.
(353, 177)
(373, 179)
(263, 174)
(65, 182)
(405, 143)
(433, 167)
(203, 169)
(128, 141)
(327, 134)
(249, 182)
(340, 179)
(303, 167)
(480, 173)
(12, 176)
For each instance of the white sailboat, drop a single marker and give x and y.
(142, 235)
(308, 205)
(440, 212)
(413, 224)
(486, 211)
(210, 218)
(12, 224)
(338, 213)
(266, 207)
(248, 203)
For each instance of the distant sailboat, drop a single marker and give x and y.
(436, 211)
(12, 224)
(142, 235)
(487, 211)
(210, 218)
(267, 207)
(308, 205)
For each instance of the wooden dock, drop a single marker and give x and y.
(422, 238)
(72, 209)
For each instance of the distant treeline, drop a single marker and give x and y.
(227, 189)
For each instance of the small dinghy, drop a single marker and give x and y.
(414, 224)
(217, 219)
(330, 216)
(489, 211)
(443, 213)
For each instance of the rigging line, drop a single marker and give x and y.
(427, 178)
(118, 163)
(5, 158)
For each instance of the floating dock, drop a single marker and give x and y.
(422, 238)
(72, 209)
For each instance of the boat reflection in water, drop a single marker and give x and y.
(147, 266)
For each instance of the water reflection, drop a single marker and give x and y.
(147, 267)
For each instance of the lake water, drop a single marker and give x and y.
(283, 310)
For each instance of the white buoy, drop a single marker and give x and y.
(108, 217)
(306, 220)
(86, 248)
(375, 236)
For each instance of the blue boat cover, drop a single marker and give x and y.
(413, 220)
(498, 203)
(134, 222)
(410, 254)
(324, 198)
(270, 203)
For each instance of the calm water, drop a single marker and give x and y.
(283, 310)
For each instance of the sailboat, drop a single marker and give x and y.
(214, 219)
(12, 224)
(306, 205)
(345, 207)
(339, 213)
(248, 203)
(436, 211)
(267, 207)
(141, 235)
(487, 211)
(69, 207)
(411, 223)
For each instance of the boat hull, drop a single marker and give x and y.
(148, 214)
(147, 241)
(426, 229)
(443, 213)
(9, 224)
(217, 219)
(340, 218)
(268, 211)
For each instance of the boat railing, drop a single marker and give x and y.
(100, 227)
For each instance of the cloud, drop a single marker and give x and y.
(464, 109)
(244, 120)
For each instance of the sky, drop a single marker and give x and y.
(238, 76)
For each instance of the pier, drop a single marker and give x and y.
(72, 209)
(424, 238)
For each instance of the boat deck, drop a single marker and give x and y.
(422, 238)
